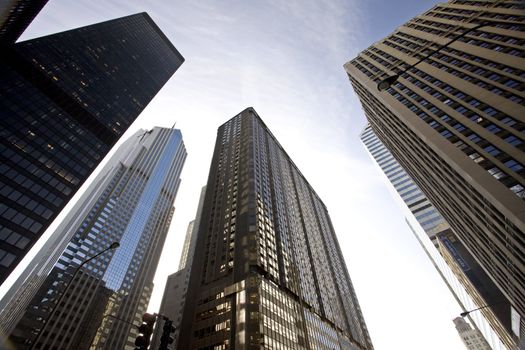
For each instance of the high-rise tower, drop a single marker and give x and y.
(130, 202)
(267, 271)
(467, 281)
(65, 100)
(176, 289)
(455, 122)
(16, 16)
(472, 338)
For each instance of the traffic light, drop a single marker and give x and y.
(145, 330)
(166, 339)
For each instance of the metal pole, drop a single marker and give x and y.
(465, 313)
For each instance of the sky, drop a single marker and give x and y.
(285, 58)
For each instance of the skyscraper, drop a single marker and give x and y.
(467, 281)
(131, 202)
(267, 271)
(66, 100)
(455, 123)
(16, 16)
(174, 297)
(472, 339)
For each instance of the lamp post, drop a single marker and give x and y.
(465, 313)
(388, 81)
(112, 246)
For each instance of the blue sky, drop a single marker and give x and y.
(285, 58)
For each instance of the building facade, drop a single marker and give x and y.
(267, 271)
(66, 99)
(174, 297)
(455, 123)
(470, 286)
(131, 202)
(16, 16)
(472, 338)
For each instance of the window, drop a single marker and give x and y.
(474, 137)
(446, 133)
(461, 109)
(508, 121)
(496, 172)
(459, 127)
(513, 165)
(492, 150)
(513, 140)
(492, 128)
(6, 259)
(490, 111)
(512, 83)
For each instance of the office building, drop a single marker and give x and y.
(16, 16)
(267, 271)
(66, 99)
(472, 339)
(131, 202)
(455, 123)
(482, 291)
(174, 297)
(466, 280)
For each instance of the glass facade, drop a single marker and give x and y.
(16, 16)
(134, 206)
(455, 123)
(268, 271)
(66, 100)
(425, 213)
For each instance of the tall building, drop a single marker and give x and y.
(455, 123)
(190, 240)
(467, 281)
(66, 99)
(131, 202)
(16, 16)
(472, 338)
(267, 270)
(174, 297)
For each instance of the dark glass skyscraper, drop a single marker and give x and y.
(455, 122)
(16, 16)
(131, 202)
(267, 272)
(65, 99)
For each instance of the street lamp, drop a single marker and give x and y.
(112, 246)
(388, 81)
(465, 313)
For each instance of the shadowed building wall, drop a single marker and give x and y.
(456, 124)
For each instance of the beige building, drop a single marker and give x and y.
(456, 122)
(472, 338)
